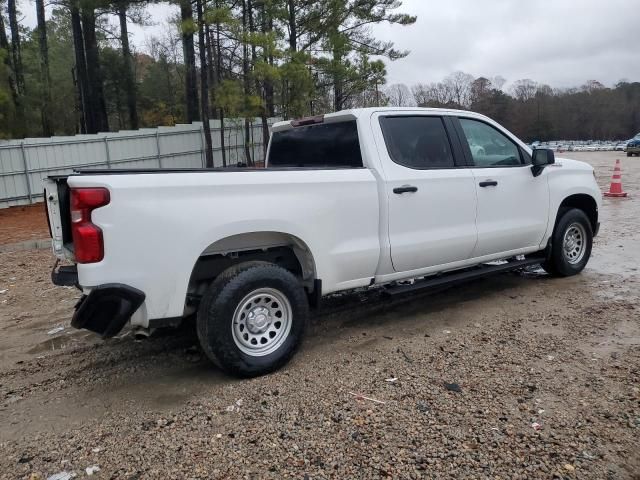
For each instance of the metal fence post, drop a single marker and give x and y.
(26, 172)
(158, 148)
(202, 154)
(106, 149)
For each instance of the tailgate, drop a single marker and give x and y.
(56, 196)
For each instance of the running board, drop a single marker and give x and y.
(448, 279)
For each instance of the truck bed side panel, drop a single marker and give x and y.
(156, 226)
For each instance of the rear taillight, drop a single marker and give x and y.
(88, 245)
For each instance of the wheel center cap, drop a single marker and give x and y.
(258, 321)
(570, 245)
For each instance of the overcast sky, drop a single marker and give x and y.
(559, 42)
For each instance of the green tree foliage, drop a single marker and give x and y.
(238, 58)
(260, 58)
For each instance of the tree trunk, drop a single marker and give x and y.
(16, 76)
(47, 131)
(245, 81)
(204, 87)
(189, 53)
(118, 95)
(218, 82)
(167, 69)
(210, 68)
(94, 75)
(16, 52)
(268, 87)
(259, 88)
(214, 76)
(81, 78)
(293, 32)
(15, 96)
(266, 26)
(338, 91)
(129, 80)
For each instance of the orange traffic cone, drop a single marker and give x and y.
(615, 189)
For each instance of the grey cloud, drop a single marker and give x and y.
(562, 43)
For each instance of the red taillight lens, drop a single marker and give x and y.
(88, 245)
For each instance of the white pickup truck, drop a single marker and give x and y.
(405, 198)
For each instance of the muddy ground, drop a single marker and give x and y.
(548, 373)
(19, 224)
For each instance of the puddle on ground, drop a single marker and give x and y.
(624, 335)
(60, 342)
(617, 257)
(532, 271)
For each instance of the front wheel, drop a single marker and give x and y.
(252, 318)
(570, 244)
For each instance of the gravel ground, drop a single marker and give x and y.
(23, 223)
(516, 376)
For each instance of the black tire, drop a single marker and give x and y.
(219, 304)
(558, 263)
(629, 154)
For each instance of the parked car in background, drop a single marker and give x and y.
(633, 147)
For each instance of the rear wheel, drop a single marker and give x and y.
(629, 154)
(252, 318)
(570, 244)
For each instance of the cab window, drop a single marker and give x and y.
(419, 142)
(489, 147)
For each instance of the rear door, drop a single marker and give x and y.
(431, 195)
(513, 205)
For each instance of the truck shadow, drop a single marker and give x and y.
(371, 307)
(339, 315)
(169, 369)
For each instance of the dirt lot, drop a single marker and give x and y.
(548, 371)
(19, 224)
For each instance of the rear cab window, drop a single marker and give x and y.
(324, 145)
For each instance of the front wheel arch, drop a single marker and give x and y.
(581, 201)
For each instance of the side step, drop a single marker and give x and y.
(452, 278)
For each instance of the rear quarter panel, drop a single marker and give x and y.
(157, 225)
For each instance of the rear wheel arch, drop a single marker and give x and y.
(283, 249)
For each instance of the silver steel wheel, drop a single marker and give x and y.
(574, 244)
(262, 322)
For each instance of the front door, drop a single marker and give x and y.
(513, 205)
(431, 196)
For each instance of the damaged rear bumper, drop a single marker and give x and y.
(107, 308)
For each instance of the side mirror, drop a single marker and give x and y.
(541, 157)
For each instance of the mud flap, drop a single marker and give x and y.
(107, 308)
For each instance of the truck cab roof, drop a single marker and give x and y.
(355, 113)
